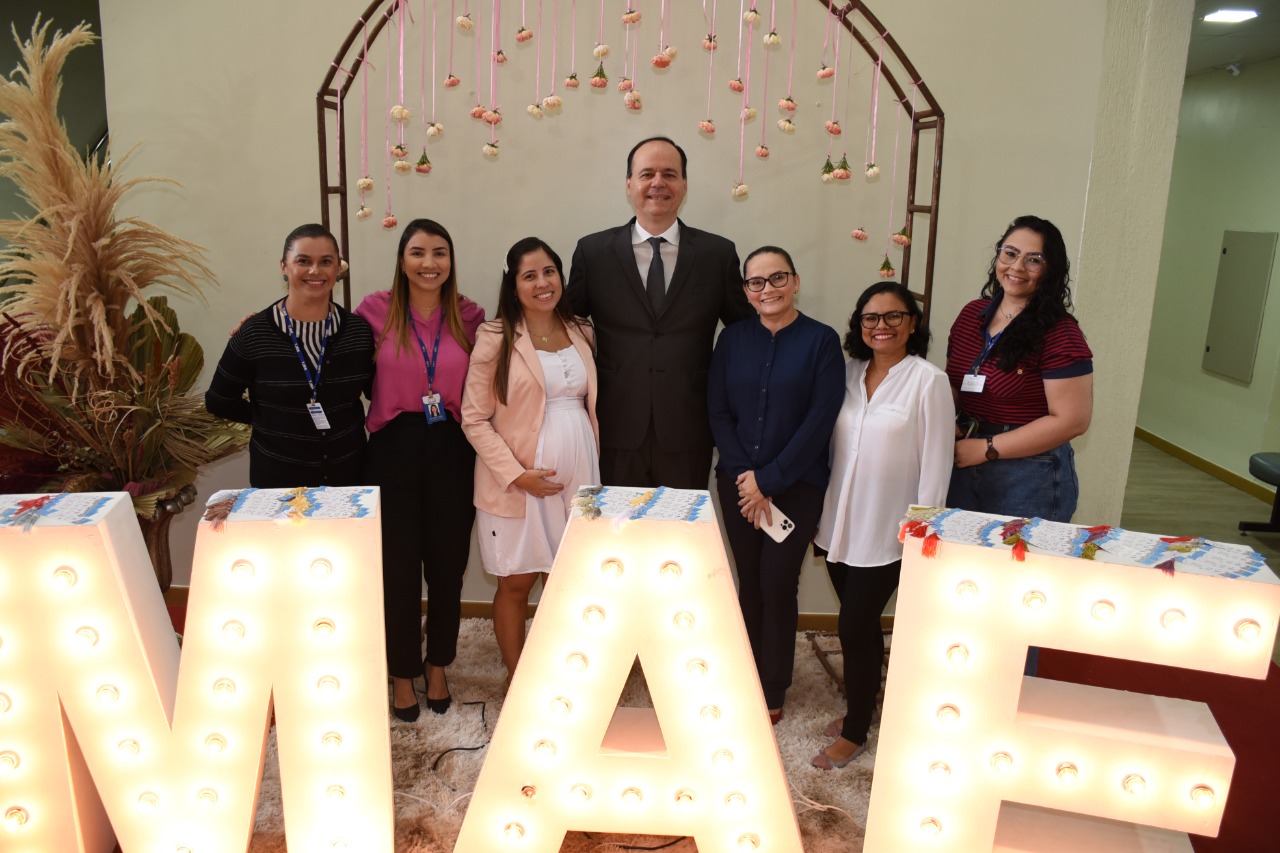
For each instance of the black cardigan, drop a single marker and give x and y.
(286, 450)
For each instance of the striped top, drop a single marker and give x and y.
(1011, 397)
(310, 332)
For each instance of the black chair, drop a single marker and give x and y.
(1266, 467)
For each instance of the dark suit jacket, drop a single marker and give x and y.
(655, 366)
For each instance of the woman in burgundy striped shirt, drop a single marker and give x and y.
(1022, 375)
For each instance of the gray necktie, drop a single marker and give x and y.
(655, 283)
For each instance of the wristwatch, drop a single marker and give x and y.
(992, 453)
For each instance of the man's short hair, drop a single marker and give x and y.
(684, 160)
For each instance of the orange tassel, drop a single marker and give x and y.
(912, 528)
(1020, 550)
(930, 546)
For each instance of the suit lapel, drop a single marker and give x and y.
(626, 255)
(524, 349)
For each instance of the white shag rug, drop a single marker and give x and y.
(430, 802)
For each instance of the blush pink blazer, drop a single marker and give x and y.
(506, 436)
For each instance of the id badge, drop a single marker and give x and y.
(317, 415)
(973, 383)
(434, 409)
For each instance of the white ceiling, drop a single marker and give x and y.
(1214, 46)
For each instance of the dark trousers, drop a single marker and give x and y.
(863, 592)
(426, 473)
(769, 579)
(649, 466)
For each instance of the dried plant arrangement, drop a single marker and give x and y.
(95, 376)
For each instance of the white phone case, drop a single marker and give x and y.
(781, 527)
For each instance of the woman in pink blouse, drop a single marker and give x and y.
(418, 456)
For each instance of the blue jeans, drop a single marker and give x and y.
(1043, 486)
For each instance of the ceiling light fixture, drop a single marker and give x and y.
(1230, 16)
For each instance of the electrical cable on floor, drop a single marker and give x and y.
(435, 764)
(813, 805)
(615, 845)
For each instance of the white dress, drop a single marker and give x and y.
(512, 546)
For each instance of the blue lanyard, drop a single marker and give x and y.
(991, 341)
(314, 382)
(431, 360)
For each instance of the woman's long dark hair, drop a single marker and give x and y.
(510, 311)
(1049, 303)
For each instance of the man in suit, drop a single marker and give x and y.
(655, 314)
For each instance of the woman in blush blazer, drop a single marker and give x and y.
(529, 411)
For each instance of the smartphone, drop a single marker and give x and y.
(781, 527)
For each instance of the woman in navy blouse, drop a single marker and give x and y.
(775, 388)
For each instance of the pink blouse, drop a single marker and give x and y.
(401, 377)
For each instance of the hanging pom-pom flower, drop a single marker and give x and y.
(826, 72)
(902, 238)
(402, 167)
(631, 16)
(500, 57)
(434, 129)
(625, 85)
(399, 151)
(451, 82)
(873, 171)
(400, 113)
(751, 16)
(390, 221)
(786, 125)
(632, 100)
(748, 113)
(477, 112)
(736, 84)
(787, 105)
(364, 184)
(363, 212)
(762, 151)
(707, 126)
(771, 39)
(572, 82)
(828, 172)
(842, 171)
(600, 51)
(886, 269)
(490, 150)
(599, 80)
(492, 117)
(669, 51)
(739, 191)
(860, 234)
(709, 42)
(552, 102)
(534, 110)
(423, 166)
(833, 127)
(464, 22)
(660, 60)
(523, 35)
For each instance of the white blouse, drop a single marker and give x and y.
(886, 453)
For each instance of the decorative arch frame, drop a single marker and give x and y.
(854, 16)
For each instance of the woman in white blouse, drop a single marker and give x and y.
(893, 446)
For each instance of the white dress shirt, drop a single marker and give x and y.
(644, 251)
(887, 453)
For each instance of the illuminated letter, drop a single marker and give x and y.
(90, 683)
(702, 762)
(962, 730)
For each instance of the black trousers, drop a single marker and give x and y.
(863, 592)
(769, 579)
(426, 472)
(649, 466)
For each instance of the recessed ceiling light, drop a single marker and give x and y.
(1230, 16)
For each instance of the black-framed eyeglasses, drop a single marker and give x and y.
(1031, 261)
(778, 279)
(892, 319)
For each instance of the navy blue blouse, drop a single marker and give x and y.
(773, 401)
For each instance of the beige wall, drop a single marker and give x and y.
(221, 97)
(1226, 171)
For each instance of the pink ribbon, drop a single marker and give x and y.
(711, 60)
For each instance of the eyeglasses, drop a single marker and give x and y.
(778, 279)
(1032, 261)
(892, 319)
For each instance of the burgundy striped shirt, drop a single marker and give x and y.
(1015, 397)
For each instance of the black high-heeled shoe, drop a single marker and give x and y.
(409, 714)
(436, 706)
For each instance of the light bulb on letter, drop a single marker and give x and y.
(1248, 629)
(683, 620)
(224, 688)
(1135, 784)
(1001, 762)
(966, 589)
(632, 796)
(513, 831)
(670, 571)
(577, 662)
(611, 568)
(1103, 610)
(748, 841)
(1034, 599)
(242, 570)
(931, 826)
(593, 615)
(15, 818)
(129, 748)
(148, 802)
(64, 577)
(1202, 796)
(332, 740)
(1173, 618)
(108, 694)
(722, 758)
(87, 637)
(324, 627)
(581, 793)
(709, 712)
(328, 684)
(685, 797)
(544, 749)
(1068, 772)
(958, 654)
(215, 743)
(948, 714)
(233, 631)
(697, 666)
(5, 703)
(321, 569)
(335, 792)
(735, 800)
(207, 797)
(9, 761)
(940, 770)
(560, 706)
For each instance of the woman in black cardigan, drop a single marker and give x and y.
(305, 363)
